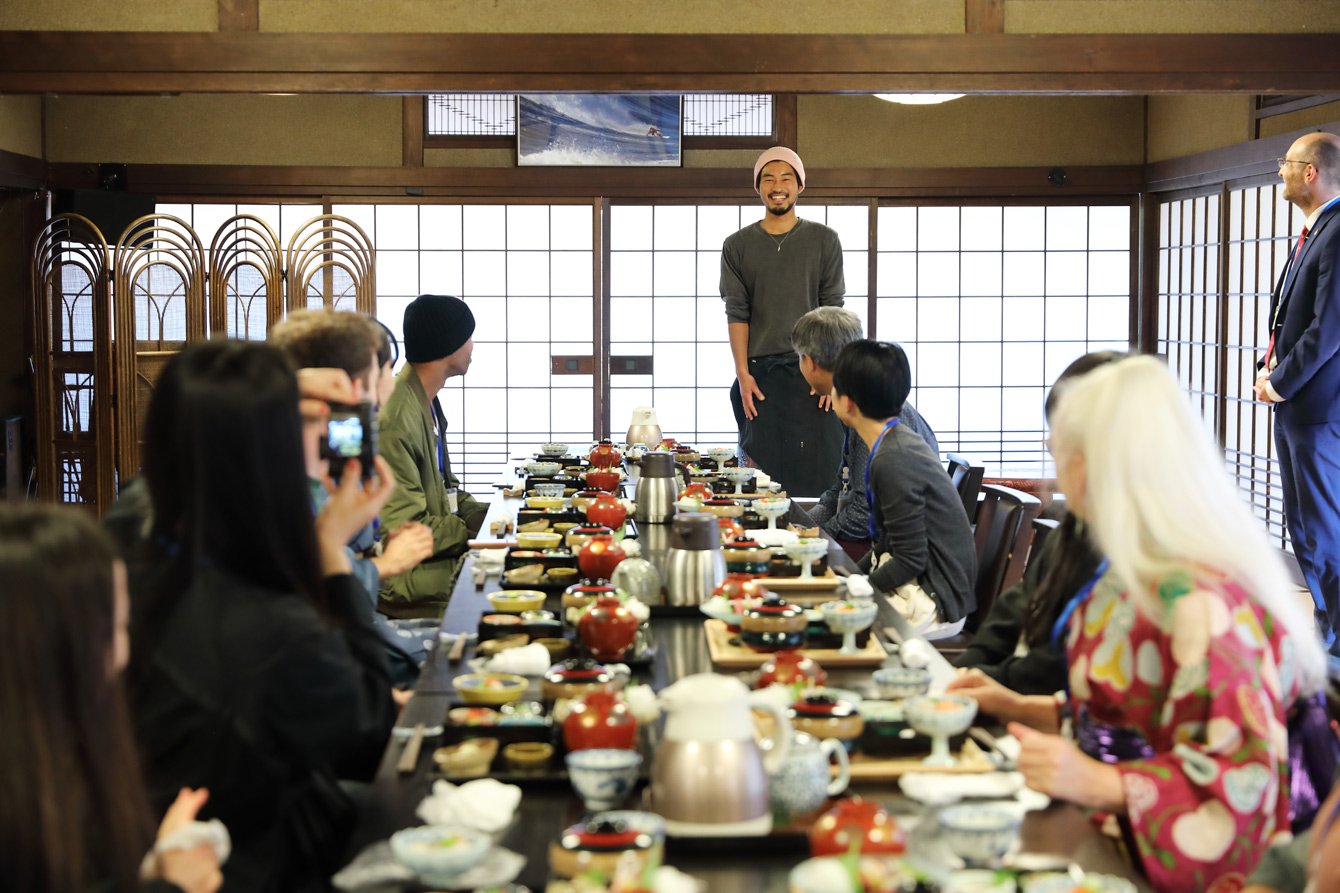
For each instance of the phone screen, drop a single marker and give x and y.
(345, 434)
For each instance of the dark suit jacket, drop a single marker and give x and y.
(1307, 338)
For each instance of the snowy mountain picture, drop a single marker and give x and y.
(598, 130)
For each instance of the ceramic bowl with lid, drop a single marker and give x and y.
(580, 595)
(577, 536)
(825, 716)
(773, 625)
(599, 845)
(575, 677)
(746, 555)
(723, 507)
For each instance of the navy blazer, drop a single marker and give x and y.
(1307, 337)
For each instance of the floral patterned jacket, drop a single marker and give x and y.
(1207, 686)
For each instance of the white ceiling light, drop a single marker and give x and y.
(919, 98)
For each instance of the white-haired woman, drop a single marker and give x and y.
(1185, 651)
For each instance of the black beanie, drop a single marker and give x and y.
(436, 326)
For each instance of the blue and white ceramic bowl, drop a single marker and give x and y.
(979, 834)
(896, 683)
(648, 823)
(603, 776)
(940, 715)
(554, 449)
(434, 851)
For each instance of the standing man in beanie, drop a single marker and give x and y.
(772, 273)
(438, 345)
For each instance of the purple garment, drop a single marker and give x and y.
(1109, 743)
(1313, 753)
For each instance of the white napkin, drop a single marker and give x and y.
(858, 586)
(671, 880)
(761, 480)
(485, 803)
(189, 836)
(528, 660)
(642, 702)
(631, 547)
(941, 788)
(915, 653)
(490, 560)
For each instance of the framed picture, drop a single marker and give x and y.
(598, 130)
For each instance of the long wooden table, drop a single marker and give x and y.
(681, 650)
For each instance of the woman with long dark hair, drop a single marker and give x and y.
(73, 815)
(1013, 645)
(257, 671)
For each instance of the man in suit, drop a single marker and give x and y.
(1300, 374)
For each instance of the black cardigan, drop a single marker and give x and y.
(254, 695)
(1040, 671)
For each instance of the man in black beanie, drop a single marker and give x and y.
(438, 345)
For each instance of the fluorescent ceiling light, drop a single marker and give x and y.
(918, 98)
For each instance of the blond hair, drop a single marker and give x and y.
(1159, 500)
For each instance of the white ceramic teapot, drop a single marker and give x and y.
(709, 777)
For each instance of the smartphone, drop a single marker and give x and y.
(351, 433)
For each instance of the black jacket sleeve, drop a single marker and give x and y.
(330, 694)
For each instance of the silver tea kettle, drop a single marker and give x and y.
(694, 563)
(656, 489)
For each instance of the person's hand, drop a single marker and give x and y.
(748, 391)
(1054, 766)
(1259, 388)
(991, 696)
(825, 400)
(318, 387)
(406, 546)
(195, 870)
(353, 503)
(401, 697)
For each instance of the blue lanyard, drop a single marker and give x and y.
(441, 421)
(870, 497)
(846, 457)
(1061, 622)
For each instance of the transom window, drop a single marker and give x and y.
(494, 114)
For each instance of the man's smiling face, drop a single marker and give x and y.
(778, 186)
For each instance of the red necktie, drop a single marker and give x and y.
(1297, 250)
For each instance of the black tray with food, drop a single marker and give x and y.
(530, 763)
(560, 556)
(553, 516)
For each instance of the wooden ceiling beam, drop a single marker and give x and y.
(242, 62)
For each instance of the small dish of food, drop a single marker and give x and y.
(489, 688)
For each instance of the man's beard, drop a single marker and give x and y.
(782, 210)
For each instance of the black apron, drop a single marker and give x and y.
(794, 441)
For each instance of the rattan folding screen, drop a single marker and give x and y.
(109, 321)
(73, 360)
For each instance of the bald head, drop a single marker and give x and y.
(1323, 151)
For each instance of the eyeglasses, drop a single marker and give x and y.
(1284, 161)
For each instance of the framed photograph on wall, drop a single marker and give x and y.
(598, 130)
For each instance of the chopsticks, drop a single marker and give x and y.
(409, 757)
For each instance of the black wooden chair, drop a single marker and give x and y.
(967, 480)
(1004, 532)
(1042, 528)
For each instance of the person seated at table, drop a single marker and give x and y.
(818, 337)
(255, 670)
(1013, 644)
(1185, 648)
(331, 339)
(74, 817)
(922, 550)
(388, 354)
(438, 341)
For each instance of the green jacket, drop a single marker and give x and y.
(407, 443)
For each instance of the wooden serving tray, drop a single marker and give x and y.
(731, 655)
(828, 581)
(970, 760)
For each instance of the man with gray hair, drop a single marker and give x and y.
(818, 338)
